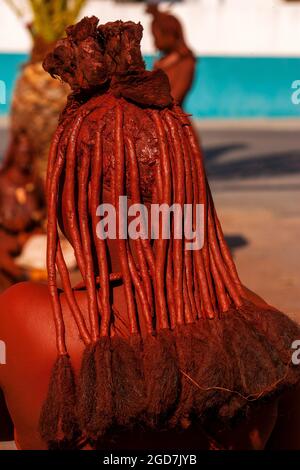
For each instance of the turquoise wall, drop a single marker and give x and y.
(225, 87)
(10, 65)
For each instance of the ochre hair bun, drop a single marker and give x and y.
(78, 59)
(108, 57)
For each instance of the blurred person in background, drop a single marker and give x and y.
(21, 207)
(177, 60)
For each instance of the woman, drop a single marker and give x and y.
(159, 347)
(177, 61)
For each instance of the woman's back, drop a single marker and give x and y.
(27, 330)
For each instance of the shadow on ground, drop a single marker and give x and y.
(235, 242)
(273, 164)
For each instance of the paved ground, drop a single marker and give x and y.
(255, 180)
(3, 140)
(254, 173)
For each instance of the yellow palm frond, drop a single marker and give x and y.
(17, 10)
(49, 17)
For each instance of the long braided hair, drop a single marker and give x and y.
(187, 322)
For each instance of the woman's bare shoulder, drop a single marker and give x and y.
(23, 307)
(16, 295)
(24, 321)
(26, 317)
(256, 299)
(23, 291)
(21, 297)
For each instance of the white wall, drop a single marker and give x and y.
(213, 27)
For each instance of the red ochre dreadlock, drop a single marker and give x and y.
(195, 347)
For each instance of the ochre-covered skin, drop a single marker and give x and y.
(25, 379)
(157, 337)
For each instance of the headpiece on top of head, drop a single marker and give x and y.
(107, 57)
